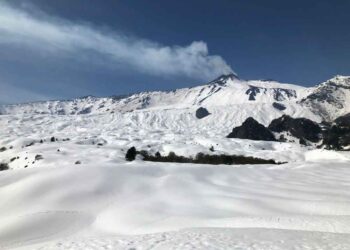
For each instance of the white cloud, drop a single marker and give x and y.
(59, 36)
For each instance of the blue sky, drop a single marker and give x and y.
(64, 49)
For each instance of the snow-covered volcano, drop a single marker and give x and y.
(262, 99)
(69, 187)
(330, 99)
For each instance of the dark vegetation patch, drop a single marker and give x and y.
(200, 158)
(131, 154)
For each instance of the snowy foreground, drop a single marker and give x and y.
(107, 203)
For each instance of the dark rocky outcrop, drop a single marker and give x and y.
(222, 80)
(252, 130)
(4, 166)
(337, 136)
(279, 94)
(301, 128)
(252, 92)
(278, 106)
(343, 121)
(202, 112)
(85, 111)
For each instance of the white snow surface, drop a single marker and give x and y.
(225, 97)
(107, 203)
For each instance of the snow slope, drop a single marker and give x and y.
(50, 202)
(227, 93)
(223, 96)
(105, 202)
(331, 98)
(50, 207)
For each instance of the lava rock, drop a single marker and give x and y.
(202, 112)
(300, 128)
(252, 92)
(252, 130)
(85, 111)
(343, 121)
(278, 106)
(337, 136)
(39, 157)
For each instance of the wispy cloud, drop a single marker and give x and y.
(57, 36)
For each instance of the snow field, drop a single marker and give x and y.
(107, 203)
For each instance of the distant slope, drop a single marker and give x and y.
(330, 99)
(224, 96)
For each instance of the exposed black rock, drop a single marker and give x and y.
(337, 135)
(324, 93)
(30, 144)
(61, 112)
(282, 138)
(301, 128)
(252, 130)
(85, 111)
(278, 106)
(4, 166)
(337, 138)
(343, 121)
(252, 92)
(221, 80)
(279, 94)
(39, 157)
(202, 112)
(329, 93)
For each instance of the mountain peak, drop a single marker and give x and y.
(340, 77)
(337, 81)
(223, 79)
